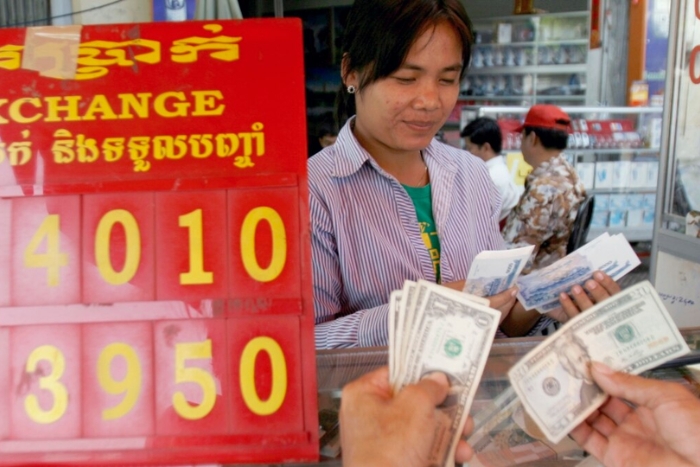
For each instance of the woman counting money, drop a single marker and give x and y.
(389, 202)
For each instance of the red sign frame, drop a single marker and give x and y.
(155, 271)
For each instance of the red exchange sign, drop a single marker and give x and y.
(155, 281)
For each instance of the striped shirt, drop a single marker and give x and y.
(366, 239)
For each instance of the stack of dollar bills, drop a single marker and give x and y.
(433, 328)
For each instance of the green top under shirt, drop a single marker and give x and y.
(424, 211)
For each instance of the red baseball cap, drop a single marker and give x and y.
(546, 116)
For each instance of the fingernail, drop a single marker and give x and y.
(601, 368)
(591, 285)
(598, 276)
(577, 290)
(514, 292)
(563, 296)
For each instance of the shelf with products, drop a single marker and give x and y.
(616, 153)
(530, 59)
(531, 69)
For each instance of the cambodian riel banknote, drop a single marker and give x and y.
(452, 334)
(493, 272)
(611, 254)
(630, 332)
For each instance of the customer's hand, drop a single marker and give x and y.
(595, 290)
(378, 428)
(661, 430)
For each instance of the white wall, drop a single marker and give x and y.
(128, 11)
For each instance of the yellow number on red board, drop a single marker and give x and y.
(193, 351)
(279, 244)
(50, 383)
(247, 376)
(196, 274)
(133, 247)
(130, 385)
(52, 259)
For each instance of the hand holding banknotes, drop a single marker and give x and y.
(580, 298)
(661, 430)
(595, 290)
(383, 429)
(631, 331)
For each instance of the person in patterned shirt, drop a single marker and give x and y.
(545, 214)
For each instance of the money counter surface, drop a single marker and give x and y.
(503, 435)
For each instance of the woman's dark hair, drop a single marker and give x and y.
(549, 137)
(484, 130)
(380, 33)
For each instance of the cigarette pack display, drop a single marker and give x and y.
(649, 202)
(652, 174)
(649, 218)
(603, 175)
(618, 201)
(635, 217)
(600, 219)
(635, 201)
(638, 174)
(586, 172)
(621, 171)
(602, 202)
(618, 218)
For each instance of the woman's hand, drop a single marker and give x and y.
(593, 291)
(504, 302)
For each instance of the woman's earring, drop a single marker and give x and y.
(351, 89)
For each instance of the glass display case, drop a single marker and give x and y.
(502, 435)
(616, 153)
(526, 59)
(675, 267)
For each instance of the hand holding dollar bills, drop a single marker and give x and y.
(436, 329)
(541, 288)
(630, 332)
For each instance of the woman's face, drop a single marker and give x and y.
(402, 112)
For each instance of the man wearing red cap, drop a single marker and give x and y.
(545, 214)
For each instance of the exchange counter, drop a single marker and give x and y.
(502, 435)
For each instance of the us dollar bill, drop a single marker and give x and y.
(394, 334)
(453, 335)
(404, 326)
(611, 254)
(492, 272)
(630, 332)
